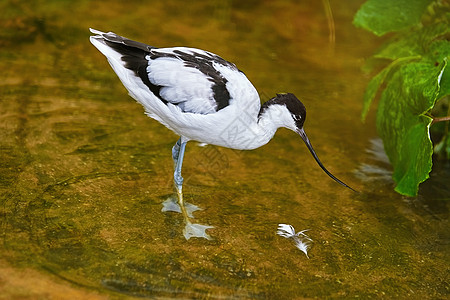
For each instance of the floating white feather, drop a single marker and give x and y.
(301, 240)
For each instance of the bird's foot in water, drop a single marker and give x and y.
(196, 230)
(190, 229)
(171, 204)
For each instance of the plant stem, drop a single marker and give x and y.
(441, 119)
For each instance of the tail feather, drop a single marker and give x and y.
(129, 62)
(118, 40)
(124, 54)
(117, 47)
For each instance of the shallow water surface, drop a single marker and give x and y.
(84, 172)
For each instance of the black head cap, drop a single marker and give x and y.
(294, 105)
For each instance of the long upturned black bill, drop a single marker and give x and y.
(305, 138)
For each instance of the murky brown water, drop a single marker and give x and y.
(83, 171)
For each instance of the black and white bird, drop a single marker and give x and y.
(201, 97)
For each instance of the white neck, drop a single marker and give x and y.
(260, 133)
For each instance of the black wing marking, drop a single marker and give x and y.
(204, 63)
(136, 57)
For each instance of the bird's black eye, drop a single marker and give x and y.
(299, 121)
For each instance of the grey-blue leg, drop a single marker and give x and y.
(191, 229)
(176, 151)
(178, 155)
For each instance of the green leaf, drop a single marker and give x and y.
(444, 83)
(416, 158)
(382, 16)
(410, 93)
(376, 82)
(444, 90)
(371, 91)
(439, 55)
(413, 43)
